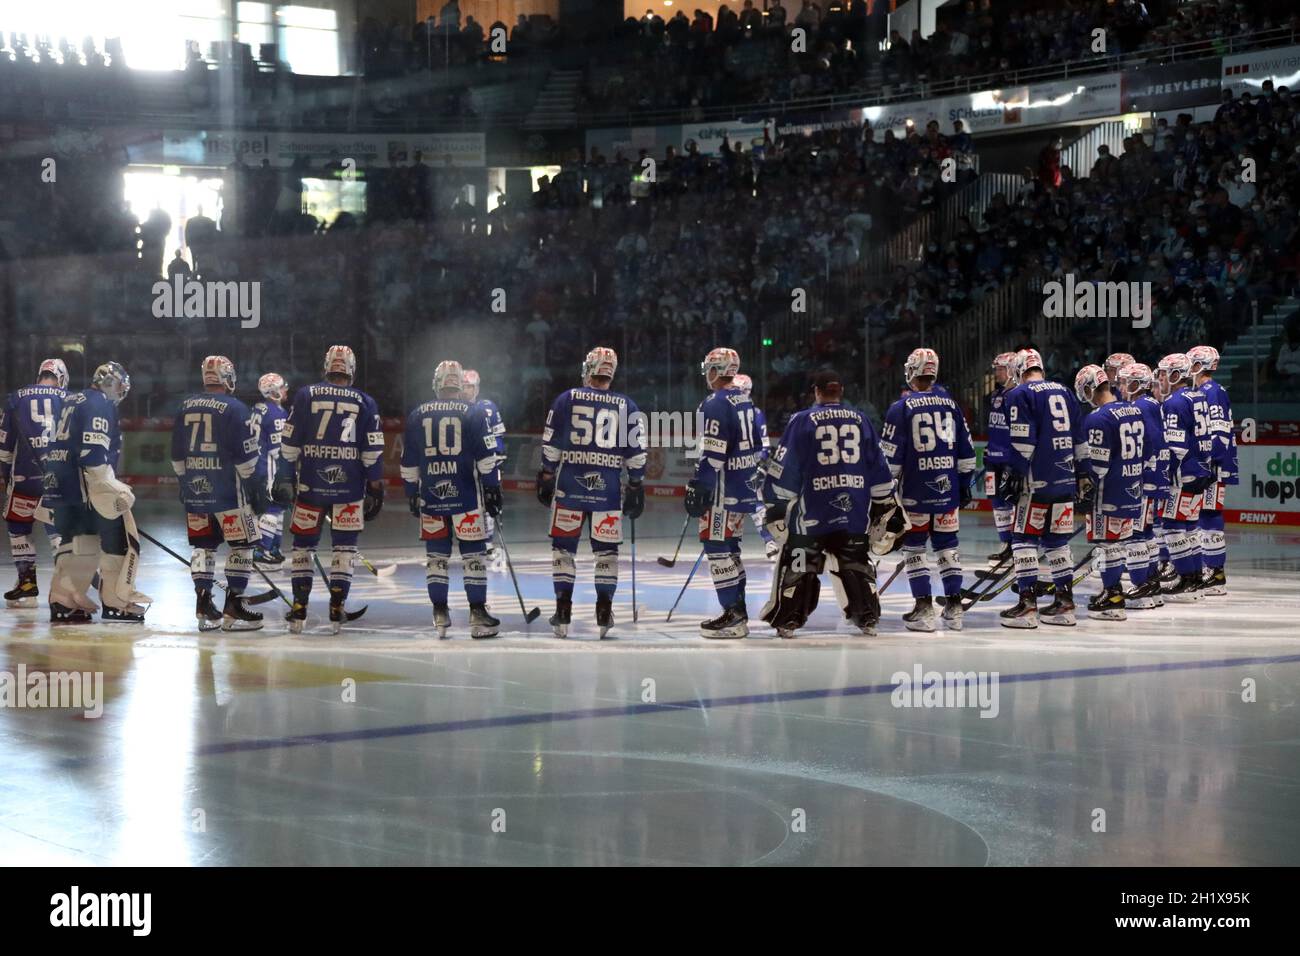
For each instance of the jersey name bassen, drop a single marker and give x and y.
(347, 452)
(830, 482)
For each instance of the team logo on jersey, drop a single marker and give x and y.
(444, 490)
(592, 481)
(755, 481)
(333, 475)
(199, 485)
(49, 481)
(1135, 490)
(843, 501)
(1067, 465)
(941, 485)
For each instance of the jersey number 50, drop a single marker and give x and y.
(842, 444)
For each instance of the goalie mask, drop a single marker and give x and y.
(1134, 379)
(720, 363)
(55, 367)
(921, 362)
(112, 379)
(1205, 358)
(601, 362)
(448, 374)
(1174, 369)
(273, 387)
(341, 360)
(219, 370)
(1088, 381)
(469, 385)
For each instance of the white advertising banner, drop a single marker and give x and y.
(1246, 72)
(709, 136)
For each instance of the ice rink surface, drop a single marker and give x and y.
(1112, 743)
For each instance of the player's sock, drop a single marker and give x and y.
(203, 567)
(740, 585)
(474, 565)
(1112, 565)
(435, 575)
(21, 546)
(606, 574)
(303, 574)
(1059, 569)
(1138, 559)
(238, 568)
(341, 572)
(725, 572)
(918, 572)
(564, 567)
(1214, 549)
(1182, 549)
(949, 561)
(1002, 519)
(1024, 555)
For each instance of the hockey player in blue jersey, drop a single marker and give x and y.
(1112, 499)
(92, 508)
(591, 435)
(449, 467)
(1134, 385)
(829, 493)
(725, 487)
(1214, 550)
(216, 456)
(995, 453)
(927, 444)
(27, 422)
(746, 385)
(333, 447)
(1113, 364)
(268, 423)
(1043, 420)
(1190, 440)
(470, 392)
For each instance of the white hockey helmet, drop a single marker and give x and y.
(720, 363)
(1134, 378)
(448, 374)
(273, 386)
(600, 362)
(341, 360)
(744, 383)
(219, 370)
(1205, 358)
(55, 367)
(1114, 362)
(1087, 381)
(1174, 369)
(921, 362)
(469, 385)
(113, 380)
(1025, 360)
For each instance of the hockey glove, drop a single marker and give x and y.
(374, 500)
(492, 500)
(633, 499)
(413, 502)
(1197, 485)
(775, 512)
(282, 490)
(697, 499)
(888, 524)
(256, 496)
(1012, 484)
(546, 487)
(1085, 494)
(108, 496)
(967, 491)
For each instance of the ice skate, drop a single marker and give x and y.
(1060, 612)
(482, 624)
(921, 617)
(1145, 596)
(952, 612)
(205, 612)
(236, 616)
(563, 616)
(25, 592)
(441, 620)
(733, 622)
(62, 614)
(340, 615)
(1215, 583)
(1023, 615)
(604, 615)
(1185, 590)
(267, 560)
(128, 614)
(1108, 605)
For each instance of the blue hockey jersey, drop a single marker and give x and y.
(729, 450)
(1043, 422)
(27, 423)
(1155, 455)
(590, 435)
(927, 444)
(1116, 454)
(268, 424)
(830, 466)
(760, 424)
(999, 436)
(214, 446)
(87, 436)
(448, 449)
(496, 426)
(1224, 455)
(335, 439)
(1188, 435)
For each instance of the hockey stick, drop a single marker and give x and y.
(529, 616)
(897, 570)
(670, 563)
(383, 572)
(347, 615)
(270, 595)
(996, 585)
(1087, 558)
(695, 568)
(634, 614)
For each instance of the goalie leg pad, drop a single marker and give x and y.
(855, 578)
(796, 586)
